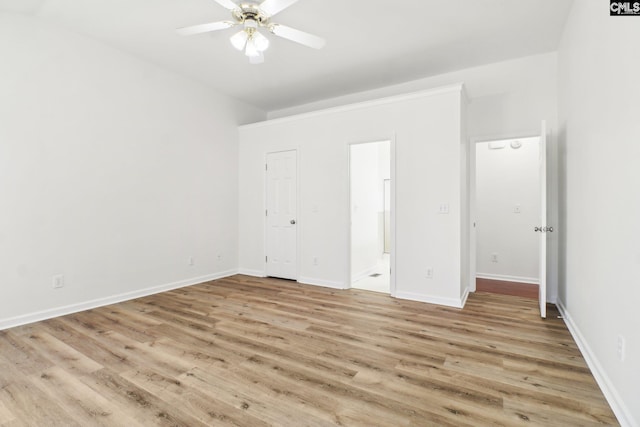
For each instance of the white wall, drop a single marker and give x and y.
(426, 130)
(507, 178)
(112, 173)
(599, 98)
(506, 99)
(367, 206)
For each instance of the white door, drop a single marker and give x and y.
(542, 229)
(281, 215)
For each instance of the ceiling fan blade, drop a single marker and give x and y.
(227, 4)
(271, 7)
(297, 36)
(259, 59)
(205, 28)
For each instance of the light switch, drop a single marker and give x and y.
(444, 208)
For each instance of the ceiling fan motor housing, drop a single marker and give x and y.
(250, 12)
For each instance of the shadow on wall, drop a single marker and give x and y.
(562, 212)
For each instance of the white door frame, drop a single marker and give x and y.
(298, 212)
(392, 253)
(473, 141)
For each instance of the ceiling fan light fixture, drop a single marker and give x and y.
(261, 42)
(251, 49)
(256, 59)
(239, 39)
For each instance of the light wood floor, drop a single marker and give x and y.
(255, 352)
(526, 290)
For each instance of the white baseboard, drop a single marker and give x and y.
(254, 273)
(449, 302)
(113, 299)
(463, 300)
(610, 393)
(507, 278)
(321, 282)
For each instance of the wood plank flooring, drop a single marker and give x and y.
(257, 352)
(526, 290)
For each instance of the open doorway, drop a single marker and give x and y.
(370, 205)
(507, 209)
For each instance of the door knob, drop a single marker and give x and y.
(293, 221)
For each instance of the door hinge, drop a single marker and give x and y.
(266, 166)
(265, 258)
(266, 212)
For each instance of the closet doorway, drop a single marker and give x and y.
(510, 195)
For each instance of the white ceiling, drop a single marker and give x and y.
(370, 43)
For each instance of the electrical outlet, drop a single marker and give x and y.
(621, 347)
(315, 260)
(219, 257)
(191, 261)
(517, 209)
(58, 281)
(444, 208)
(429, 272)
(494, 257)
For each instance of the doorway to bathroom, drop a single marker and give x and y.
(370, 210)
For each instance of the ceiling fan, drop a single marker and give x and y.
(253, 15)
